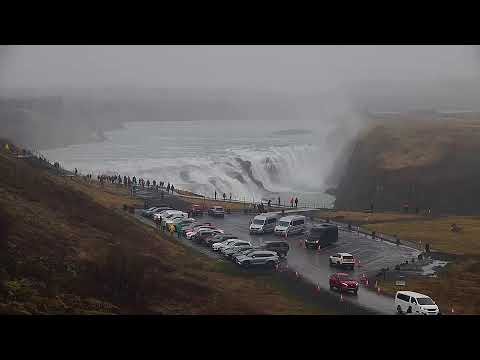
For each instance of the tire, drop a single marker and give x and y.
(399, 310)
(331, 287)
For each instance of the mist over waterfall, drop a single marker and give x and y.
(243, 159)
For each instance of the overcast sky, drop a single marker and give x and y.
(290, 69)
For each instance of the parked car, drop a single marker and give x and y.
(280, 247)
(172, 214)
(342, 259)
(235, 244)
(231, 252)
(321, 235)
(159, 215)
(244, 252)
(216, 211)
(159, 210)
(264, 223)
(218, 238)
(220, 245)
(343, 282)
(204, 233)
(294, 224)
(191, 233)
(257, 258)
(414, 303)
(196, 210)
(181, 221)
(146, 212)
(196, 226)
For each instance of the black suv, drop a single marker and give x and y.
(321, 235)
(280, 247)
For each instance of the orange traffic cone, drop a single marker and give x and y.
(452, 310)
(296, 274)
(341, 297)
(367, 282)
(318, 288)
(378, 290)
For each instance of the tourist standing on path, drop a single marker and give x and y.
(230, 196)
(215, 194)
(279, 201)
(296, 202)
(168, 188)
(76, 171)
(224, 197)
(172, 188)
(291, 202)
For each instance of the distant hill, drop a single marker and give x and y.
(425, 163)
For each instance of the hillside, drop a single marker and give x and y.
(67, 247)
(425, 163)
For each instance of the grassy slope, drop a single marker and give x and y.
(66, 247)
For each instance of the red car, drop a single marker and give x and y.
(196, 210)
(343, 282)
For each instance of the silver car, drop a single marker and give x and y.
(235, 246)
(257, 258)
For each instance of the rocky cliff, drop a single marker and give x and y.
(425, 163)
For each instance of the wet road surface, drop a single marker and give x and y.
(313, 265)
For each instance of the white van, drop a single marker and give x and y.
(410, 302)
(263, 223)
(294, 224)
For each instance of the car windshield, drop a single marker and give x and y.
(283, 223)
(425, 301)
(258, 222)
(349, 257)
(344, 277)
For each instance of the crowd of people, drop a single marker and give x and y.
(133, 182)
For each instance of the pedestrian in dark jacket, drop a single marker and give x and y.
(296, 202)
(172, 188)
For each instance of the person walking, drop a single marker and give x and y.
(168, 188)
(215, 194)
(279, 201)
(291, 202)
(224, 197)
(172, 188)
(76, 171)
(269, 204)
(296, 202)
(230, 196)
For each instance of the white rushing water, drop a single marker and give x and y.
(251, 160)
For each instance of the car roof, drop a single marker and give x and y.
(345, 254)
(412, 293)
(275, 242)
(292, 217)
(265, 252)
(342, 274)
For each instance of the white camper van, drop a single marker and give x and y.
(263, 223)
(294, 224)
